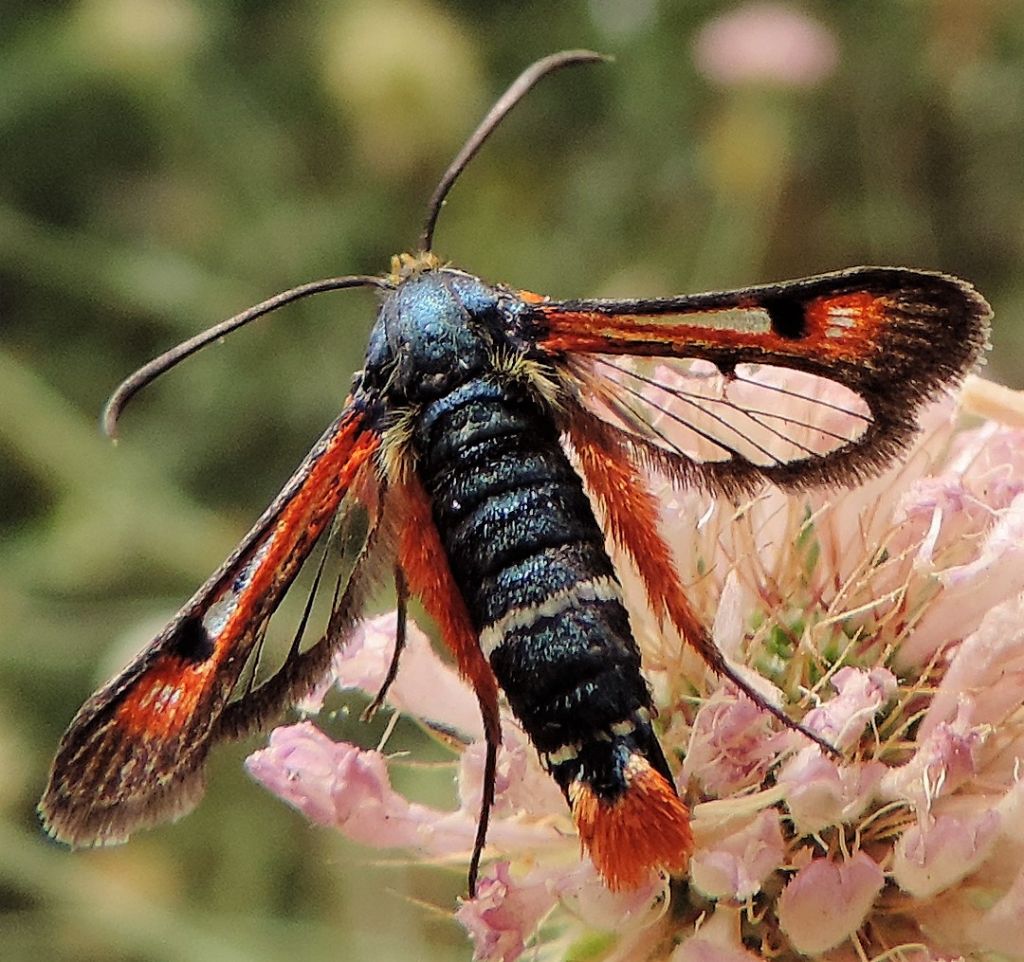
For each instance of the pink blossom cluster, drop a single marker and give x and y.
(892, 613)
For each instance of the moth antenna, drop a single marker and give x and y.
(148, 373)
(520, 87)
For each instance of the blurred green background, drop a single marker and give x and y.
(164, 163)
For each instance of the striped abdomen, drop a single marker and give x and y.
(529, 558)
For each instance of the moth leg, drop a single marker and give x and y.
(401, 623)
(486, 803)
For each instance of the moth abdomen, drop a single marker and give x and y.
(528, 557)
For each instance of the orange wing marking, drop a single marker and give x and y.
(422, 557)
(165, 696)
(632, 515)
(843, 327)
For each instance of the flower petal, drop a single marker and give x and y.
(999, 929)
(729, 628)
(717, 940)
(826, 902)
(425, 686)
(298, 766)
(338, 784)
(583, 892)
(935, 856)
(521, 785)
(735, 866)
(971, 589)
(859, 696)
(731, 745)
(943, 761)
(505, 913)
(990, 662)
(820, 792)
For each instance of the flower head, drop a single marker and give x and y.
(892, 612)
(767, 43)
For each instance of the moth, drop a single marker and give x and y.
(492, 440)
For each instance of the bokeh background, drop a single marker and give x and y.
(164, 163)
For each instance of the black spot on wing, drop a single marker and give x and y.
(787, 317)
(191, 642)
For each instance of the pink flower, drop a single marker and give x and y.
(505, 914)
(771, 43)
(943, 852)
(425, 687)
(735, 865)
(827, 902)
(859, 697)
(343, 786)
(893, 613)
(732, 745)
(506, 911)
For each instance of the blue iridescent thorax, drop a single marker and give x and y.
(437, 330)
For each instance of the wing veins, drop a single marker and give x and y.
(867, 419)
(710, 438)
(749, 412)
(641, 424)
(718, 442)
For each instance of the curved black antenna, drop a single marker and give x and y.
(520, 87)
(160, 365)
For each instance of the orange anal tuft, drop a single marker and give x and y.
(646, 828)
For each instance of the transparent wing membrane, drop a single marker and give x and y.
(769, 417)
